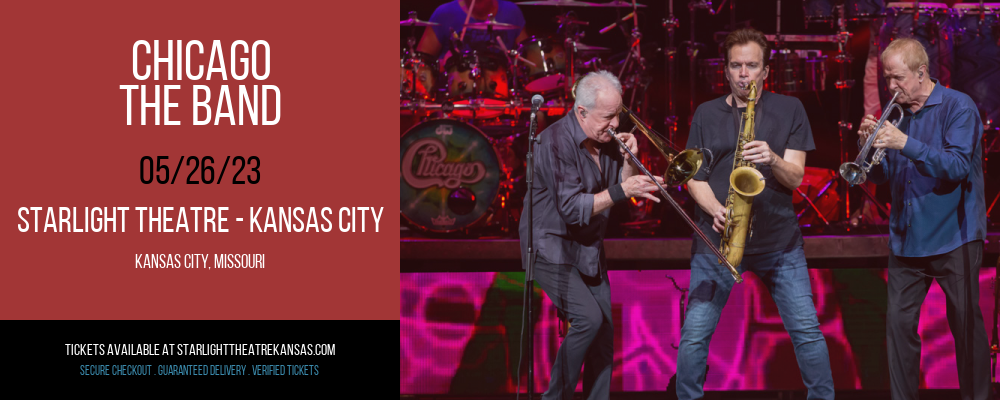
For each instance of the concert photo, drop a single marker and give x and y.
(729, 199)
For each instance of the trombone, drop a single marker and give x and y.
(683, 166)
(856, 172)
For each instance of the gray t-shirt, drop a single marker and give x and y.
(781, 122)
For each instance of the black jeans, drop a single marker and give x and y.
(586, 303)
(957, 272)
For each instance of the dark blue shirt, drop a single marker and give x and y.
(936, 181)
(565, 182)
(451, 17)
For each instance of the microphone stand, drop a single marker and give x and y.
(529, 276)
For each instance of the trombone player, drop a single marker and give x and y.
(580, 174)
(938, 217)
(774, 251)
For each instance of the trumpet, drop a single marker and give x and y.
(856, 172)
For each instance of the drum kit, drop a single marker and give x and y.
(962, 44)
(464, 118)
(474, 102)
(962, 41)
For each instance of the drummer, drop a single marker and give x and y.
(451, 16)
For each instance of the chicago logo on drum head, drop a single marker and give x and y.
(431, 169)
(449, 176)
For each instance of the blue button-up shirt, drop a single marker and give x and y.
(938, 203)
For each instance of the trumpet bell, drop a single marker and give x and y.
(683, 167)
(853, 173)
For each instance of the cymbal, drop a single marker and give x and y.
(497, 26)
(562, 3)
(416, 22)
(618, 3)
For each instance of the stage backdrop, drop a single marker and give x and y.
(459, 333)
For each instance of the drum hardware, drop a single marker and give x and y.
(823, 11)
(513, 57)
(411, 41)
(818, 11)
(413, 21)
(917, 9)
(614, 24)
(633, 64)
(670, 23)
(864, 10)
(703, 5)
(569, 21)
(633, 53)
(692, 50)
(548, 58)
(418, 71)
(586, 48)
(621, 4)
(843, 84)
(977, 55)
(810, 202)
(805, 38)
(980, 11)
(491, 24)
(798, 71)
(418, 76)
(929, 23)
(478, 78)
(558, 3)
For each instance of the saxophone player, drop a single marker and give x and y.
(774, 251)
(938, 218)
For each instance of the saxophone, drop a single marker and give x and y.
(745, 182)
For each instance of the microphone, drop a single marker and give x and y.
(536, 103)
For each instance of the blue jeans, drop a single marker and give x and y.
(785, 275)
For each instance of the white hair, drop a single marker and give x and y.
(591, 84)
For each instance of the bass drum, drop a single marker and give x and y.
(450, 175)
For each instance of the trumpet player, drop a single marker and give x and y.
(580, 174)
(937, 221)
(774, 251)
